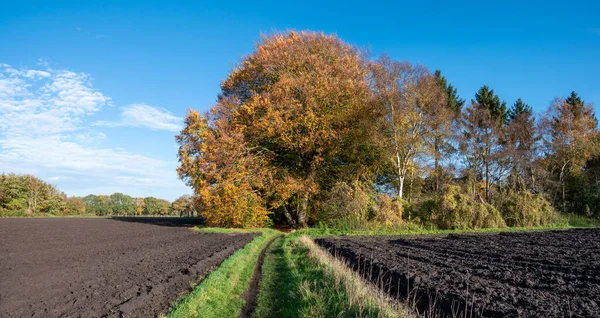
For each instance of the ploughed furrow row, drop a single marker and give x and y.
(483, 275)
(488, 263)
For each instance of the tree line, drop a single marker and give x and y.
(308, 129)
(24, 195)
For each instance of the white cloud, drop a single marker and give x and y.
(34, 74)
(145, 116)
(44, 129)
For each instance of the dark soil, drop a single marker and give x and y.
(102, 267)
(163, 221)
(524, 274)
(249, 296)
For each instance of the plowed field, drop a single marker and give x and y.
(102, 267)
(524, 274)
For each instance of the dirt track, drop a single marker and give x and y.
(527, 274)
(102, 267)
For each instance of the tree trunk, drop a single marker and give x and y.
(436, 164)
(303, 211)
(400, 186)
(487, 180)
(562, 181)
(410, 193)
(288, 216)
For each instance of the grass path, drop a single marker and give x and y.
(219, 295)
(301, 280)
(251, 293)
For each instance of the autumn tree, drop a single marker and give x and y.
(521, 145)
(228, 175)
(572, 137)
(413, 108)
(283, 116)
(139, 206)
(74, 206)
(483, 122)
(442, 121)
(29, 195)
(184, 205)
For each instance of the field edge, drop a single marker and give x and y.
(219, 293)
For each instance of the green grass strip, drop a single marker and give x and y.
(569, 222)
(219, 294)
(294, 284)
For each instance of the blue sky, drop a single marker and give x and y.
(92, 94)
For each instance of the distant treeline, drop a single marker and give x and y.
(26, 195)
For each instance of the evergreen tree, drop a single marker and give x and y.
(519, 108)
(454, 102)
(486, 99)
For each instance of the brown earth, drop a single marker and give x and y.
(102, 267)
(524, 274)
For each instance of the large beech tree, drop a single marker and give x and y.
(277, 135)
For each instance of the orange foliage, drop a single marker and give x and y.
(282, 114)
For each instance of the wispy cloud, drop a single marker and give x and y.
(45, 129)
(145, 116)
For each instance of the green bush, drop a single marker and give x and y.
(456, 210)
(525, 209)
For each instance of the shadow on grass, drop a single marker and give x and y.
(162, 221)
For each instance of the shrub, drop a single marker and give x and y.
(388, 211)
(456, 210)
(526, 209)
(352, 203)
(359, 207)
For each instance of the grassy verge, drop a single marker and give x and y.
(301, 280)
(566, 222)
(219, 294)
